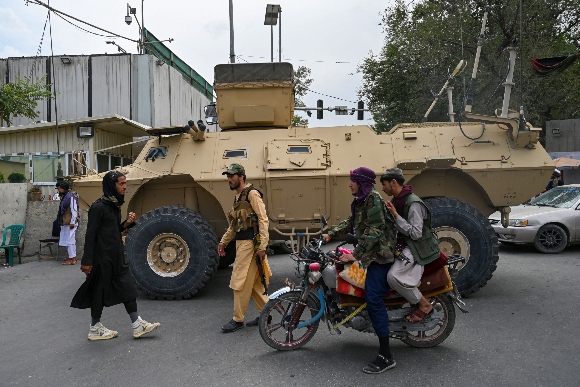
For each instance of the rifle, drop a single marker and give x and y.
(259, 262)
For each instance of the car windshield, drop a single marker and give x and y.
(560, 197)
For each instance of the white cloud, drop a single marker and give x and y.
(9, 51)
(11, 24)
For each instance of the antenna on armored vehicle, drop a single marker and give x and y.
(458, 69)
(480, 42)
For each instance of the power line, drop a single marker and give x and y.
(296, 60)
(38, 2)
(79, 27)
(330, 96)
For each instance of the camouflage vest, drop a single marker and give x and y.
(425, 249)
(239, 217)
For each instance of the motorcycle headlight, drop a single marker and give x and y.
(314, 276)
(518, 222)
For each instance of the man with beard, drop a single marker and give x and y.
(372, 224)
(245, 280)
(108, 281)
(68, 215)
(417, 244)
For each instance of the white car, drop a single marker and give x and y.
(550, 221)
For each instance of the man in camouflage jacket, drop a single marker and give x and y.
(373, 226)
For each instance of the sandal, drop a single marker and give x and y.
(380, 365)
(69, 261)
(417, 316)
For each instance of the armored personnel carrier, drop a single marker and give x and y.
(465, 171)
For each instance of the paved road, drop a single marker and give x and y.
(522, 330)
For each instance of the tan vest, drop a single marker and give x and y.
(240, 216)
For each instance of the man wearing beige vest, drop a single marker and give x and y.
(245, 281)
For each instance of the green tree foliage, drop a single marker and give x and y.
(20, 98)
(423, 45)
(301, 84)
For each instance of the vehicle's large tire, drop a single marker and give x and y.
(551, 239)
(441, 332)
(464, 230)
(230, 256)
(172, 252)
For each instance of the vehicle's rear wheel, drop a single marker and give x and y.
(172, 252)
(434, 337)
(550, 239)
(463, 230)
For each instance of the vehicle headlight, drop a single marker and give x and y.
(518, 222)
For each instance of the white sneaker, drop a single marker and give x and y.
(141, 327)
(99, 332)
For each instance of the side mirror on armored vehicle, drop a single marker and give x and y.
(211, 114)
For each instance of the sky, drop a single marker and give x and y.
(331, 38)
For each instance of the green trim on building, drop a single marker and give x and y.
(158, 49)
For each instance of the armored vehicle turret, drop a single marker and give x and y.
(464, 170)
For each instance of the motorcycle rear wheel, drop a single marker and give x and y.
(276, 316)
(434, 337)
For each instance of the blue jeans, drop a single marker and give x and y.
(376, 287)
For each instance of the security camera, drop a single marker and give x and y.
(128, 19)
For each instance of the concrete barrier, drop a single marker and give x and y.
(37, 217)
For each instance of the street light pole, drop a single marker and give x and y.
(279, 36)
(142, 29)
(232, 54)
(271, 19)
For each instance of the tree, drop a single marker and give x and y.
(301, 85)
(20, 98)
(424, 44)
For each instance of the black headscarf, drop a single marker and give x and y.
(109, 190)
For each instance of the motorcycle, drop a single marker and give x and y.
(293, 313)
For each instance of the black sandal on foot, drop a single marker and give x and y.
(380, 365)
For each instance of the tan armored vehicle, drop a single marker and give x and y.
(465, 171)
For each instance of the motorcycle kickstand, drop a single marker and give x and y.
(332, 331)
(456, 298)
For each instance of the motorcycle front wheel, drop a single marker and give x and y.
(427, 339)
(276, 317)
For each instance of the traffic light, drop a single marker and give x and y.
(319, 111)
(360, 113)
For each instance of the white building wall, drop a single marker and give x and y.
(111, 85)
(33, 68)
(72, 83)
(3, 68)
(161, 96)
(133, 86)
(142, 89)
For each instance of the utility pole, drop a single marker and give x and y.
(232, 55)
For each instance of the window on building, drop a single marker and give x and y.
(102, 163)
(107, 162)
(19, 164)
(45, 168)
(77, 163)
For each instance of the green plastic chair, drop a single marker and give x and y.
(16, 231)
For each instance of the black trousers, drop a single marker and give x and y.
(130, 307)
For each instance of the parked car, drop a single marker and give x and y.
(550, 221)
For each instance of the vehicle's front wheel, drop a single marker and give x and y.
(462, 229)
(276, 321)
(551, 239)
(172, 252)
